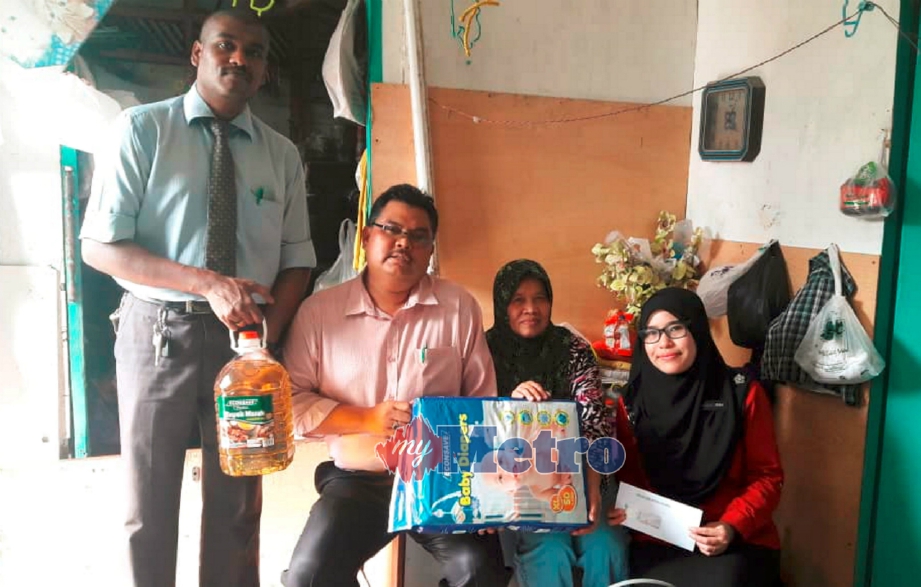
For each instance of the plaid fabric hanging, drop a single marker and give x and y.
(787, 330)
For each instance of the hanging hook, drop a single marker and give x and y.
(851, 24)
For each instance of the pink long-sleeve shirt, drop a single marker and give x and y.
(342, 349)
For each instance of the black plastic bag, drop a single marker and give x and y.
(757, 297)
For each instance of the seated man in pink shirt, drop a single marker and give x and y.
(358, 354)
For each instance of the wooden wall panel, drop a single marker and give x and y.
(546, 192)
(821, 442)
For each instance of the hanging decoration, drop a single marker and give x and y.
(461, 27)
(851, 23)
(267, 4)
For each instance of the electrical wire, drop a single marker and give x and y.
(526, 123)
(895, 23)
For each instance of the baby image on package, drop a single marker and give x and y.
(465, 464)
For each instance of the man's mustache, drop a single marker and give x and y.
(236, 70)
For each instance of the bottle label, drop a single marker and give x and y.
(246, 421)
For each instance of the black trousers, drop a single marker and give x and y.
(158, 408)
(742, 565)
(348, 525)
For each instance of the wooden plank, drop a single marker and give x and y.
(546, 192)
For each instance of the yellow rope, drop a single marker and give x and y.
(467, 18)
(358, 259)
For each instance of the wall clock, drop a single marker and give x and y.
(731, 120)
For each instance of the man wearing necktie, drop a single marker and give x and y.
(199, 211)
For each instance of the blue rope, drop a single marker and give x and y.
(851, 23)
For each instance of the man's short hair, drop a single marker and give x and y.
(409, 195)
(243, 15)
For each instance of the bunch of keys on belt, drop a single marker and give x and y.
(160, 337)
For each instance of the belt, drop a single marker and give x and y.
(186, 307)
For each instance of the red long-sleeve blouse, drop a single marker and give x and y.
(749, 493)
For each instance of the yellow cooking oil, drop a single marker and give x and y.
(252, 397)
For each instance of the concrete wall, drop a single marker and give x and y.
(63, 520)
(592, 49)
(826, 104)
(31, 270)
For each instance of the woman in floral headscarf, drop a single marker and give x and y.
(536, 360)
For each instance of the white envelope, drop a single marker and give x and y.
(658, 516)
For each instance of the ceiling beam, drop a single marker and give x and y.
(143, 57)
(193, 15)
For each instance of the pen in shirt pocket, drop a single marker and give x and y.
(422, 352)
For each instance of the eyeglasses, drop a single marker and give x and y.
(417, 237)
(673, 330)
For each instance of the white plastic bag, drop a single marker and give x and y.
(714, 285)
(342, 73)
(836, 348)
(342, 270)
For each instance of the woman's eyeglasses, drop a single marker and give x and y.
(673, 330)
(416, 237)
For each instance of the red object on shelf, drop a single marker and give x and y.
(619, 337)
(602, 350)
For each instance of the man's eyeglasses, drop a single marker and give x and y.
(417, 237)
(673, 330)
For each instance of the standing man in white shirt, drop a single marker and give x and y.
(199, 211)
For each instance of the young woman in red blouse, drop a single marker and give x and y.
(698, 432)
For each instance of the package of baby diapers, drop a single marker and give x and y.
(465, 464)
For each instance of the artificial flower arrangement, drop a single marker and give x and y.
(635, 268)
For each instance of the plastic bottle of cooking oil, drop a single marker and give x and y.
(252, 397)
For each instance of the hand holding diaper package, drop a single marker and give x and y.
(465, 464)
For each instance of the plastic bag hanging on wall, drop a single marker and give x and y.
(713, 288)
(757, 297)
(344, 69)
(870, 193)
(342, 269)
(836, 348)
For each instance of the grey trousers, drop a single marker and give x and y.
(158, 409)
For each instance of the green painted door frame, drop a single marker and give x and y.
(73, 279)
(375, 75)
(889, 535)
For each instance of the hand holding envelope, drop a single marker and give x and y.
(713, 538)
(660, 517)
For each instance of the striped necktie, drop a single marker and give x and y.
(221, 249)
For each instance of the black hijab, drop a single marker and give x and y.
(686, 425)
(544, 358)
